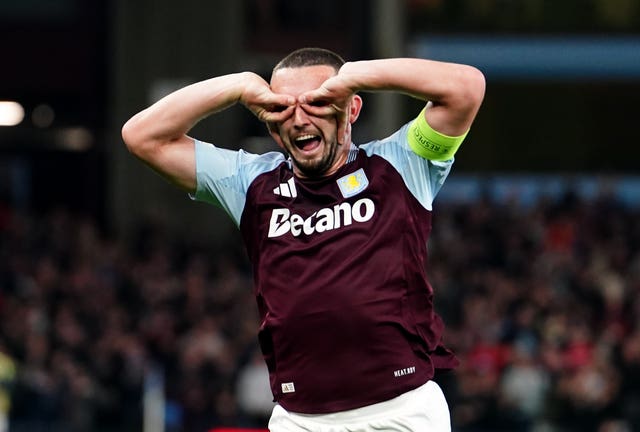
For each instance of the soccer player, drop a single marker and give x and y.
(336, 233)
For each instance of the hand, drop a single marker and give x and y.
(332, 98)
(261, 101)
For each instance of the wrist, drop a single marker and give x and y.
(363, 75)
(245, 84)
(355, 75)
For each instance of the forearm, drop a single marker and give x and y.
(455, 91)
(423, 79)
(174, 115)
(158, 134)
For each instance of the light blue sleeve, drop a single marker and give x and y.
(223, 176)
(423, 177)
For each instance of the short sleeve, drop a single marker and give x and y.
(423, 177)
(223, 176)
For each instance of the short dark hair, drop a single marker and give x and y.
(310, 56)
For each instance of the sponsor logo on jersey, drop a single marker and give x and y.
(288, 387)
(354, 183)
(405, 371)
(325, 219)
(287, 189)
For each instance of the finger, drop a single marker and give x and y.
(318, 95)
(276, 115)
(343, 127)
(322, 109)
(277, 102)
(281, 99)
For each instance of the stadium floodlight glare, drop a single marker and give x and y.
(11, 113)
(74, 139)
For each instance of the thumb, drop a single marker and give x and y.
(344, 128)
(311, 96)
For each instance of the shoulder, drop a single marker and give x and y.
(224, 163)
(223, 176)
(423, 177)
(395, 149)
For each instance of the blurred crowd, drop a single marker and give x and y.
(534, 16)
(542, 305)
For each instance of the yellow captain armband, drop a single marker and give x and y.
(431, 144)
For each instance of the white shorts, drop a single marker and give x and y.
(423, 409)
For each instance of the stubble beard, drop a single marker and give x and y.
(317, 167)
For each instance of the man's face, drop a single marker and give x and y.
(310, 140)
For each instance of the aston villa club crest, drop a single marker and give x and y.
(354, 183)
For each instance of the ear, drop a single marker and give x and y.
(354, 108)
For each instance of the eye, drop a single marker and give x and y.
(319, 103)
(278, 108)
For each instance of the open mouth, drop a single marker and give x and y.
(307, 142)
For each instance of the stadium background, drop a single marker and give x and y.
(124, 306)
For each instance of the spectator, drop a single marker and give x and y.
(83, 315)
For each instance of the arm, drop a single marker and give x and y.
(453, 92)
(158, 134)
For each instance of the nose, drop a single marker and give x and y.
(300, 116)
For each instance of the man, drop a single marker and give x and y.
(336, 233)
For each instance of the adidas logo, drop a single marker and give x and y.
(287, 189)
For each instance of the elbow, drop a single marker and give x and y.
(465, 93)
(128, 135)
(473, 85)
(132, 137)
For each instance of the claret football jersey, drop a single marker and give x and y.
(339, 266)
